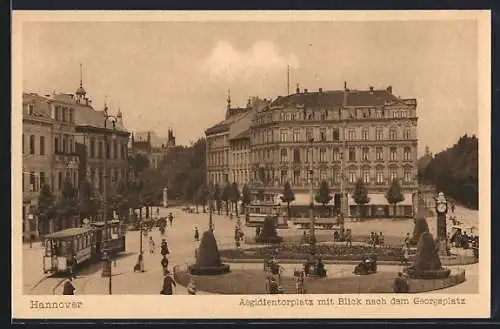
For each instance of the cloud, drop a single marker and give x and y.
(262, 58)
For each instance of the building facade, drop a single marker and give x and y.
(340, 135)
(154, 147)
(63, 137)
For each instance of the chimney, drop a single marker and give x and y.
(298, 89)
(389, 89)
(371, 88)
(345, 85)
(305, 91)
(320, 90)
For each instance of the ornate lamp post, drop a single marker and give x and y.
(106, 271)
(312, 238)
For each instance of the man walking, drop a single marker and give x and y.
(168, 284)
(68, 288)
(152, 245)
(400, 284)
(171, 219)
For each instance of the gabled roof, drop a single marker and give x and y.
(225, 124)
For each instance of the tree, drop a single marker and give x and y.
(360, 196)
(45, 209)
(226, 193)
(323, 195)
(88, 203)
(245, 196)
(394, 194)
(217, 197)
(122, 204)
(67, 206)
(234, 196)
(201, 197)
(287, 197)
(138, 162)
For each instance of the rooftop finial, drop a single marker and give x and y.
(105, 104)
(81, 76)
(228, 98)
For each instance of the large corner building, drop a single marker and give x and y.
(341, 135)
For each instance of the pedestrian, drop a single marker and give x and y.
(152, 245)
(164, 248)
(196, 234)
(171, 219)
(273, 286)
(381, 239)
(191, 288)
(168, 284)
(348, 238)
(68, 288)
(407, 240)
(405, 251)
(164, 264)
(299, 282)
(400, 284)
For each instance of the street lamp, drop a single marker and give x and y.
(106, 271)
(312, 239)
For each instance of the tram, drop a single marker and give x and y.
(66, 249)
(258, 213)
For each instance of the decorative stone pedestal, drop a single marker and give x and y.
(165, 197)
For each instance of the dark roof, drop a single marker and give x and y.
(335, 98)
(68, 233)
(244, 134)
(224, 125)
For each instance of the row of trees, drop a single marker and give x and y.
(229, 194)
(454, 171)
(323, 195)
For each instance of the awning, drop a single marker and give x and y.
(303, 199)
(380, 199)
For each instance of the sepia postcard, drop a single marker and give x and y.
(251, 164)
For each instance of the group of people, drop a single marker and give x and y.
(316, 264)
(376, 239)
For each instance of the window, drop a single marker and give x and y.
(379, 177)
(99, 150)
(23, 143)
(287, 116)
(365, 153)
(335, 134)
(59, 180)
(31, 109)
(322, 155)
(56, 145)
(309, 134)
(42, 178)
(75, 180)
(337, 156)
(64, 114)
(393, 154)
(379, 114)
(323, 175)
(284, 155)
(352, 176)
(32, 182)
(407, 154)
(71, 115)
(107, 146)
(56, 113)
(65, 144)
(352, 154)
(32, 144)
(283, 135)
(296, 177)
(269, 135)
(364, 134)
(366, 177)
(268, 154)
(284, 175)
(322, 134)
(393, 174)
(42, 145)
(296, 135)
(407, 175)
(407, 133)
(351, 134)
(379, 154)
(92, 147)
(393, 134)
(379, 134)
(337, 176)
(296, 155)
(115, 150)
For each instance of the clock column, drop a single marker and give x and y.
(441, 210)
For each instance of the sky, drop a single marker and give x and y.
(177, 74)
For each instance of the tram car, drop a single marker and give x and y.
(66, 249)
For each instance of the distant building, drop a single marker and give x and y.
(154, 147)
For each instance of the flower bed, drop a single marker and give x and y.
(326, 252)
